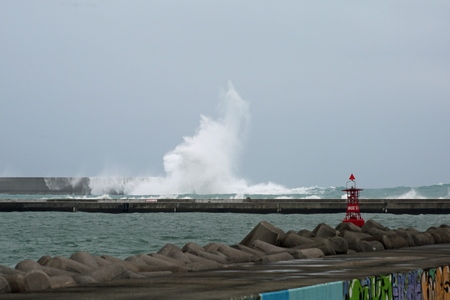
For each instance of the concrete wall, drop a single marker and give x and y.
(297, 206)
(429, 284)
(329, 291)
(44, 185)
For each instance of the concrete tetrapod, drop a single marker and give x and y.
(265, 232)
(4, 286)
(265, 243)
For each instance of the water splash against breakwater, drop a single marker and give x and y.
(205, 163)
(205, 166)
(120, 188)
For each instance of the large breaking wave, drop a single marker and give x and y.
(205, 163)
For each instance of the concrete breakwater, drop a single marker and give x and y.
(263, 249)
(259, 206)
(45, 185)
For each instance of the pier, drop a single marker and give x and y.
(256, 206)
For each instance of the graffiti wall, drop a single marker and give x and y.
(399, 286)
(431, 284)
(435, 283)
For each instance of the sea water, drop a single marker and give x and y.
(116, 188)
(201, 167)
(30, 235)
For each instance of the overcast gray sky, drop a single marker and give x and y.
(91, 88)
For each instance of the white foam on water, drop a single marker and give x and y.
(412, 194)
(205, 163)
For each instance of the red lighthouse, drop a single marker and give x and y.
(353, 215)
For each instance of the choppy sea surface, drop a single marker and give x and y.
(30, 235)
(137, 188)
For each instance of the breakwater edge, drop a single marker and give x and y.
(149, 187)
(256, 206)
(264, 244)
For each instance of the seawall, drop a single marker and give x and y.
(45, 185)
(81, 186)
(267, 264)
(259, 206)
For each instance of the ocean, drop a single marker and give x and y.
(31, 235)
(142, 187)
(201, 167)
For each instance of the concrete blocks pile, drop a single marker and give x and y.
(345, 238)
(265, 243)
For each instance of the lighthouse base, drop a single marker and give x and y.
(357, 222)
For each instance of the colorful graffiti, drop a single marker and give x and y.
(435, 283)
(407, 286)
(431, 284)
(369, 288)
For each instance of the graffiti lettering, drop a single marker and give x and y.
(435, 283)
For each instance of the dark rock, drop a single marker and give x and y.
(339, 245)
(376, 245)
(211, 247)
(180, 256)
(282, 256)
(61, 281)
(155, 274)
(168, 248)
(16, 282)
(205, 265)
(101, 261)
(373, 224)
(202, 253)
(28, 265)
(348, 226)
(234, 255)
(4, 270)
(166, 259)
(293, 239)
(81, 279)
(109, 272)
(155, 261)
(306, 233)
(423, 238)
(67, 264)
(4, 286)
(325, 231)
(128, 265)
(85, 258)
(36, 280)
(406, 235)
(311, 252)
(265, 232)
(43, 260)
(322, 244)
(192, 247)
(442, 233)
(397, 241)
(383, 239)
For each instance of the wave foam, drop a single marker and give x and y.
(412, 194)
(205, 163)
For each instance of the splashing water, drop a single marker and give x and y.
(205, 164)
(202, 164)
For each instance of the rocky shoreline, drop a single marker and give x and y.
(265, 243)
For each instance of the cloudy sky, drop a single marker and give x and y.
(90, 88)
